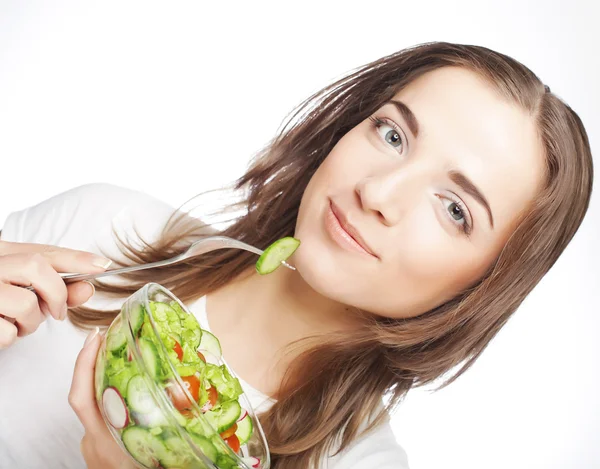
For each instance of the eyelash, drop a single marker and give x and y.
(466, 227)
(377, 122)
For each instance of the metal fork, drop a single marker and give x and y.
(202, 246)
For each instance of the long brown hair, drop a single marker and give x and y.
(388, 357)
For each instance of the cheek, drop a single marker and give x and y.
(348, 283)
(425, 268)
(338, 174)
(428, 268)
(341, 277)
(347, 162)
(318, 271)
(423, 264)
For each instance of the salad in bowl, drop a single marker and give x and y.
(165, 392)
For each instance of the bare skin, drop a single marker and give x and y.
(395, 192)
(393, 187)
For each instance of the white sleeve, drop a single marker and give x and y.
(376, 450)
(83, 217)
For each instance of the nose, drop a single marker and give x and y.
(388, 194)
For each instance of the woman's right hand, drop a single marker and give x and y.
(37, 265)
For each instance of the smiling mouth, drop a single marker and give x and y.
(344, 233)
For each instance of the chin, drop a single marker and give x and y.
(323, 275)
(320, 273)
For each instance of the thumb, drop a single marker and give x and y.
(79, 292)
(82, 394)
(61, 259)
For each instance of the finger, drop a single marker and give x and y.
(8, 333)
(85, 447)
(82, 395)
(35, 270)
(79, 293)
(61, 259)
(23, 307)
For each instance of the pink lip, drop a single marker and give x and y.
(343, 233)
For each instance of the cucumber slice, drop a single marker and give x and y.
(136, 318)
(178, 454)
(275, 254)
(116, 338)
(146, 448)
(244, 430)
(207, 448)
(153, 419)
(211, 344)
(225, 416)
(224, 461)
(139, 397)
(150, 357)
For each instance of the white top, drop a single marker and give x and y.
(37, 426)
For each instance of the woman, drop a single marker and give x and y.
(431, 189)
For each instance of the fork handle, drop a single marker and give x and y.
(70, 278)
(203, 246)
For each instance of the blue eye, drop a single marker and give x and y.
(458, 214)
(393, 136)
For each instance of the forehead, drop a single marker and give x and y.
(465, 124)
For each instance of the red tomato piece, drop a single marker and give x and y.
(178, 350)
(192, 383)
(234, 443)
(230, 431)
(178, 397)
(213, 395)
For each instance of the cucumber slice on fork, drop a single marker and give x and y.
(276, 254)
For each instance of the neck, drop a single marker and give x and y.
(285, 304)
(274, 310)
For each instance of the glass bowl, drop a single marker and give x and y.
(167, 405)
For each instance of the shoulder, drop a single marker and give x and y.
(377, 449)
(74, 218)
(100, 195)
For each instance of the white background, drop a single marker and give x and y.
(173, 99)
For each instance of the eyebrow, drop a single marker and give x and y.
(456, 176)
(467, 185)
(407, 114)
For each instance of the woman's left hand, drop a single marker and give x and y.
(98, 447)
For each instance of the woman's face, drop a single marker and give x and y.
(407, 211)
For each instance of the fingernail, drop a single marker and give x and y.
(63, 313)
(102, 262)
(91, 336)
(91, 285)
